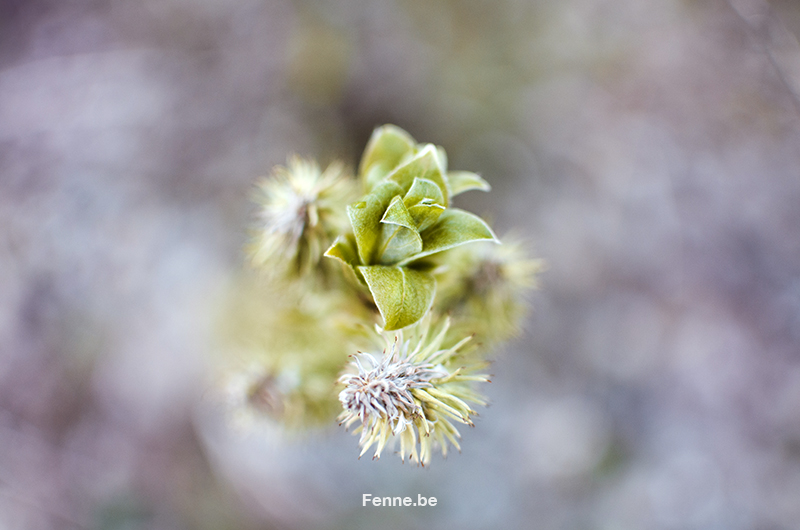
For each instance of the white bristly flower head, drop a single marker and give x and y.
(302, 209)
(413, 393)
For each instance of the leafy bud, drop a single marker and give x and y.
(403, 221)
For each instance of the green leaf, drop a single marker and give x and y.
(386, 148)
(344, 249)
(402, 295)
(461, 181)
(399, 236)
(440, 152)
(424, 202)
(365, 217)
(426, 215)
(397, 244)
(422, 189)
(397, 214)
(455, 227)
(425, 165)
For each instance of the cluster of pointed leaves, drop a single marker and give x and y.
(404, 221)
(416, 394)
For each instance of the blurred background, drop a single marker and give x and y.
(648, 151)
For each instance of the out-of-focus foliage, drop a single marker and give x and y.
(485, 287)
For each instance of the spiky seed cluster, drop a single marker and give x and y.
(385, 390)
(411, 393)
(300, 211)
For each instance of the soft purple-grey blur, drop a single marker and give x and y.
(649, 151)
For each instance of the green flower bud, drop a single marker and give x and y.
(404, 221)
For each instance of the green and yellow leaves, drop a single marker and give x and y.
(365, 217)
(399, 235)
(454, 228)
(344, 249)
(386, 148)
(404, 218)
(425, 165)
(425, 203)
(461, 181)
(402, 295)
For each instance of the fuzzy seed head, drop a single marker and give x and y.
(300, 211)
(487, 287)
(385, 390)
(412, 395)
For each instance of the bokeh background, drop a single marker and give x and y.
(648, 150)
